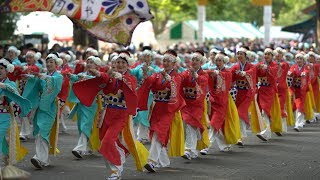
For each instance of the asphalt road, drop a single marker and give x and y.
(292, 156)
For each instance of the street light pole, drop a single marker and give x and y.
(267, 21)
(201, 20)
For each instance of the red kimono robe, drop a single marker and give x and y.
(219, 87)
(283, 86)
(299, 86)
(79, 67)
(121, 100)
(63, 95)
(246, 87)
(18, 72)
(168, 100)
(268, 86)
(194, 93)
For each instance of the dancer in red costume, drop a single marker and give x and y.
(283, 68)
(194, 84)
(119, 89)
(166, 89)
(300, 74)
(244, 75)
(267, 77)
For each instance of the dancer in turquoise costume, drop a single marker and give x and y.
(48, 86)
(211, 63)
(13, 54)
(147, 68)
(8, 95)
(26, 86)
(85, 115)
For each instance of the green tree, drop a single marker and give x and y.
(240, 11)
(175, 10)
(292, 12)
(8, 25)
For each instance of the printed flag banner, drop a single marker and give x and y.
(108, 20)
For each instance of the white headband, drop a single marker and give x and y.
(199, 56)
(65, 56)
(242, 50)
(147, 53)
(15, 50)
(268, 50)
(55, 58)
(36, 56)
(9, 67)
(95, 60)
(214, 50)
(124, 56)
(93, 51)
(300, 55)
(170, 57)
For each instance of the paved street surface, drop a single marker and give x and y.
(292, 156)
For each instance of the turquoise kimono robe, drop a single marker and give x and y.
(16, 62)
(48, 88)
(142, 116)
(208, 66)
(8, 95)
(85, 115)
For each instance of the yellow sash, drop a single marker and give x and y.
(94, 137)
(204, 142)
(137, 150)
(54, 132)
(312, 96)
(308, 106)
(290, 116)
(16, 151)
(276, 121)
(176, 146)
(232, 123)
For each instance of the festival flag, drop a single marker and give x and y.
(107, 20)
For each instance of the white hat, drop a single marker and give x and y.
(5, 63)
(36, 56)
(171, 57)
(65, 56)
(269, 50)
(280, 50)
(214, 50)
(310, 53)
(288, 56)
(242, 50)
(147, 52)
(93, 51)
(72, 55)
(199, 56)
(96, 60)
(300, 55)
(222, 57)
(15, 50)
(260, 53)
(56, 58)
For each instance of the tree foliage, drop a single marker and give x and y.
(8, 25)
(176, 10)
(291, 13)
(285, 12)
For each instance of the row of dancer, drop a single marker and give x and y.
(178, 104)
